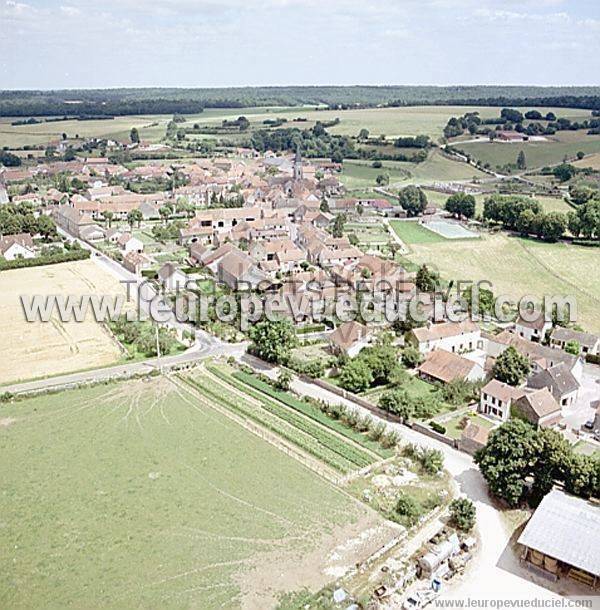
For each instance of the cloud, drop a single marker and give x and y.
(229, 42)
(70, 11)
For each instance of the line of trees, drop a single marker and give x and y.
(141, 101)
(318, 143)
(525, 215)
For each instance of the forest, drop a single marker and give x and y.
(119, 102)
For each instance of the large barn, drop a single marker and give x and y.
(562, 538)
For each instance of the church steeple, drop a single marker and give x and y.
(298, 172)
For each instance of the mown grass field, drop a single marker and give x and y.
(136, 495)
(550, 204)
(411, 232)
(518, 267)
(593, 162)
(437, 168)
(537, 154)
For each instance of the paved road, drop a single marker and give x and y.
(191, 356)
(140, 287)
(496, 573)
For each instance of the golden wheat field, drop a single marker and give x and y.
(38, 349)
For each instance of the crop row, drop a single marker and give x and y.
(264, 418)
(277, 406)
(312, 412)
(353, 454)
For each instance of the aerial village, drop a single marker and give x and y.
(268, 224)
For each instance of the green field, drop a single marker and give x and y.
(136, 495)
(518, 267)
(392, 122)
(437, 168)
(411, 232)
(537, 154)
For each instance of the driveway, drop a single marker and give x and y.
(588, 392)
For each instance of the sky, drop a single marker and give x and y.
(54, 44)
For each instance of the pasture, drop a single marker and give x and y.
(565, 144)
(151, 127)
(140, 495)
(40, 349)
(391, 122)
(518, 267)
(436, 168)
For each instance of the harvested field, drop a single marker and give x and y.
(39, 349)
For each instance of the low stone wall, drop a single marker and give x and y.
(424, 429)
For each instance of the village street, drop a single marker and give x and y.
(496, 564)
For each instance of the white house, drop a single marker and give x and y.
(496, 399)
(560, 381)
(171, 277)
(128, 243)
(92, 233)
(533, 331)
(455, 337)
(113, 235)
(17, 246)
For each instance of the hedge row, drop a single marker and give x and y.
(310, 411)
(38, 261)
(272, 422)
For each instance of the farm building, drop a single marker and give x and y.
(561, 539)
(511, 136)
(538, 407)
(445, 367)
(588, 344)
